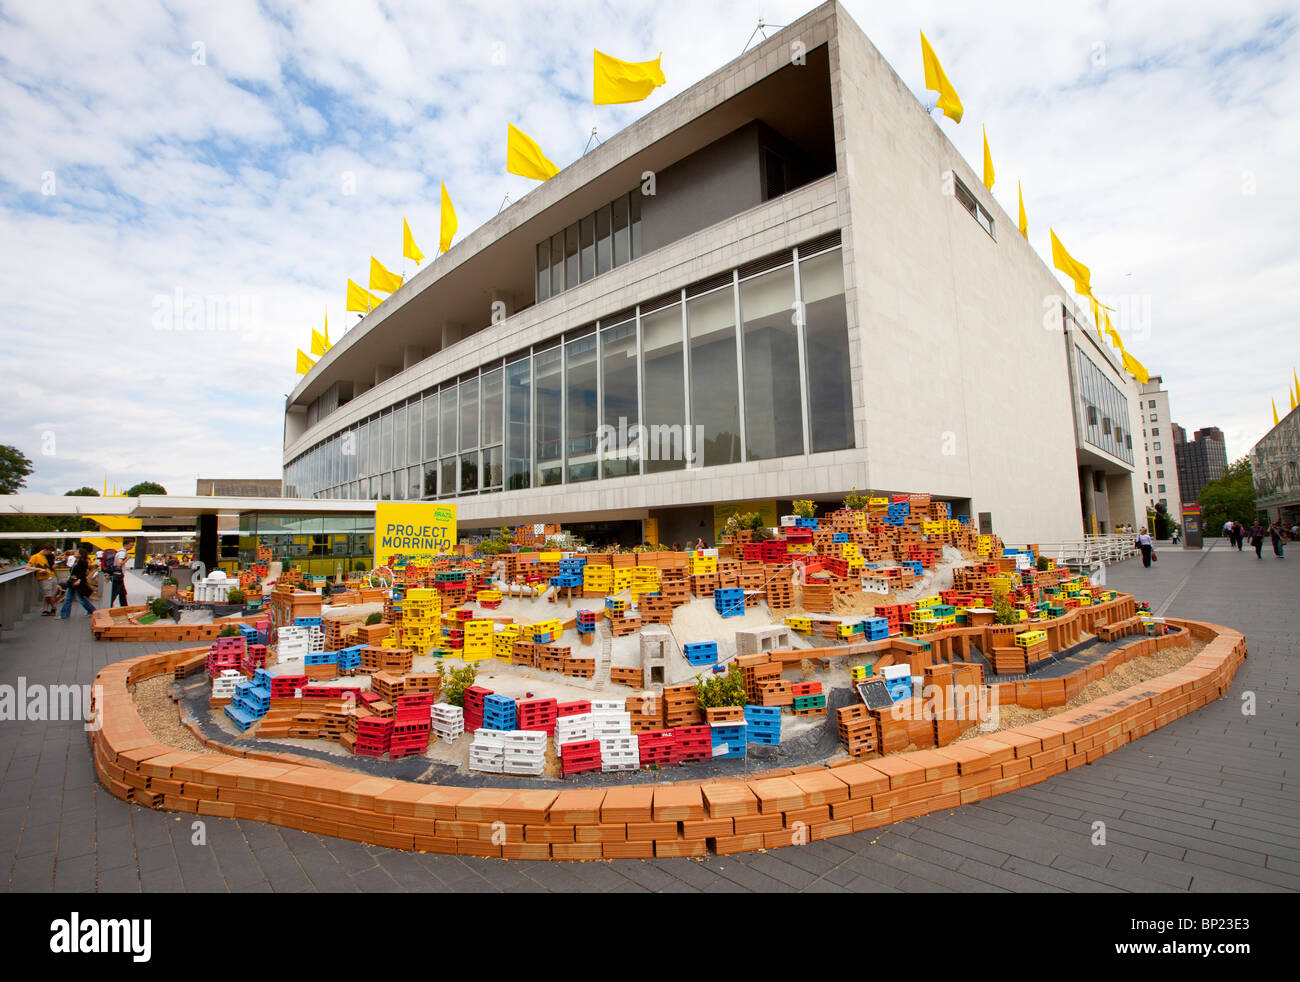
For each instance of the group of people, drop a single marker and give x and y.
(85, 573)
(1236, 533)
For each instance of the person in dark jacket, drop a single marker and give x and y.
(78, 585)
(1257, 539)
(1278, 535)
(1144, 543)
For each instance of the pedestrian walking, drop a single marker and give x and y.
(1278, 535)
(1144, 543)
(1239, 534)
(1230, 533)
(117, 580)
(79, 585)
(1257, 539)
(42, 561)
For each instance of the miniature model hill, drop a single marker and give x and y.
(869, 637)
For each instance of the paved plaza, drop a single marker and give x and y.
(1207, 803)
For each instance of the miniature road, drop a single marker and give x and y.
(1207, 803)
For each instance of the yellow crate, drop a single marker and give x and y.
(922, 614)
(877, 502)
(477, 629)
(1030, 638)
(703, 565)
(929, 602)
(849, 550)
(801, 624)
(858, 673)
(487, 596)
(549, 557)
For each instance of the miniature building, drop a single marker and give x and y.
(654, 656)
(755, 640)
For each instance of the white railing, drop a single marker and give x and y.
(1083, 552)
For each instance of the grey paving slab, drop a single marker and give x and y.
(1207, 803)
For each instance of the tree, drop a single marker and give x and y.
(82, 492)
(14, 469)
(1230, 497)
(1163, 523)
(145, 487)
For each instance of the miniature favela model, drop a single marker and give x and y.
(834, 674)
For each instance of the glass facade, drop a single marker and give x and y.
(609, 237)
(742, 367)
(1103, 409)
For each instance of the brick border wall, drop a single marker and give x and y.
(687, 818)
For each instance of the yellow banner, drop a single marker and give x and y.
(418, 531)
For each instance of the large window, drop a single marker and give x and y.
(580, 408)
(548, 395)
(595, 244)
(771, 338)
(643, 391)
(830, 392)
(715, 405)
(664, 389)
(619, 400)
(518, 431)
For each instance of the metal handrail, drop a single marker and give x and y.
(1084, 552)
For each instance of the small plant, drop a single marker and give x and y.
(1004, 612)
(159, 607)
(375, 618)
(805, 508)
(721, 690)
(852, 501)
(170, 581)
(229, 631)
(234, 595)
(455, 682)
(1043, 563)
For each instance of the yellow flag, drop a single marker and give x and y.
(1297, 384)
(361, 299)
(409, 248)
(988, 162)
(381, 279)
(304, 363)
(1293, 400)
(1134, 368)
(448, 222)
(318, 344)
(1067, 264)
(525, 158)
(1274, 401)
(624, 81)
(327, 331)
(937, 80)
(1024, 222)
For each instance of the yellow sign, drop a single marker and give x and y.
(766, 509)
(417, 531)
(651, 533)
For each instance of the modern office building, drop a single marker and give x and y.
(1161, 484)
(239, 487)
(1275, 470)
(1202, 459)
(785, 282)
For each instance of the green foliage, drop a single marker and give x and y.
(1004, 611)
(159, 607)
(855, 501)
(1163, 523)
(235, 595)
(805, 508)
(375, 618)
(15, 468)
(144, 487)
(359, 566)
(229, 631)
(170, 581)
(1042, 563)
(82, 492)
(720, 690)
(746, 521)
(1230, 497)
(455, 682)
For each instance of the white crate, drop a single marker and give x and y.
(449, 734)
(527, 738)
(616, 744)
(494, 766)
(531, 768)
(446, 712)
(607, 766)
(600, 706)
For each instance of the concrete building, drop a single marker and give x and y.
(783, 283)
(1275, 470)
(1201, 460)
(1161, 484)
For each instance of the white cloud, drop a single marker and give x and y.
(1137, 131)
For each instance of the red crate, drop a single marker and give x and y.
(573, 708)
(806, 689)
(579, 756)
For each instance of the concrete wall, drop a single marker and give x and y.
(964, 390)
(723, 179)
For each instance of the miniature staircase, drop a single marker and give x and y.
(606, 657)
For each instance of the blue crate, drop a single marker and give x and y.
(242, 686)
(306, 622)
(240, 718)
(700, 653)
(764, 739)
(840, 537)
(349, 657)
(727, 732)
(875, 628)
(894, 520)
(915, 567)
(754, 714)
(964, 519)
(899, 689)
(572, 565)
(567, 580)
(805, 523)
(545, 637)
(262, 679)
(321, 658)
(586, 628)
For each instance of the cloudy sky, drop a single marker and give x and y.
(256, 154)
